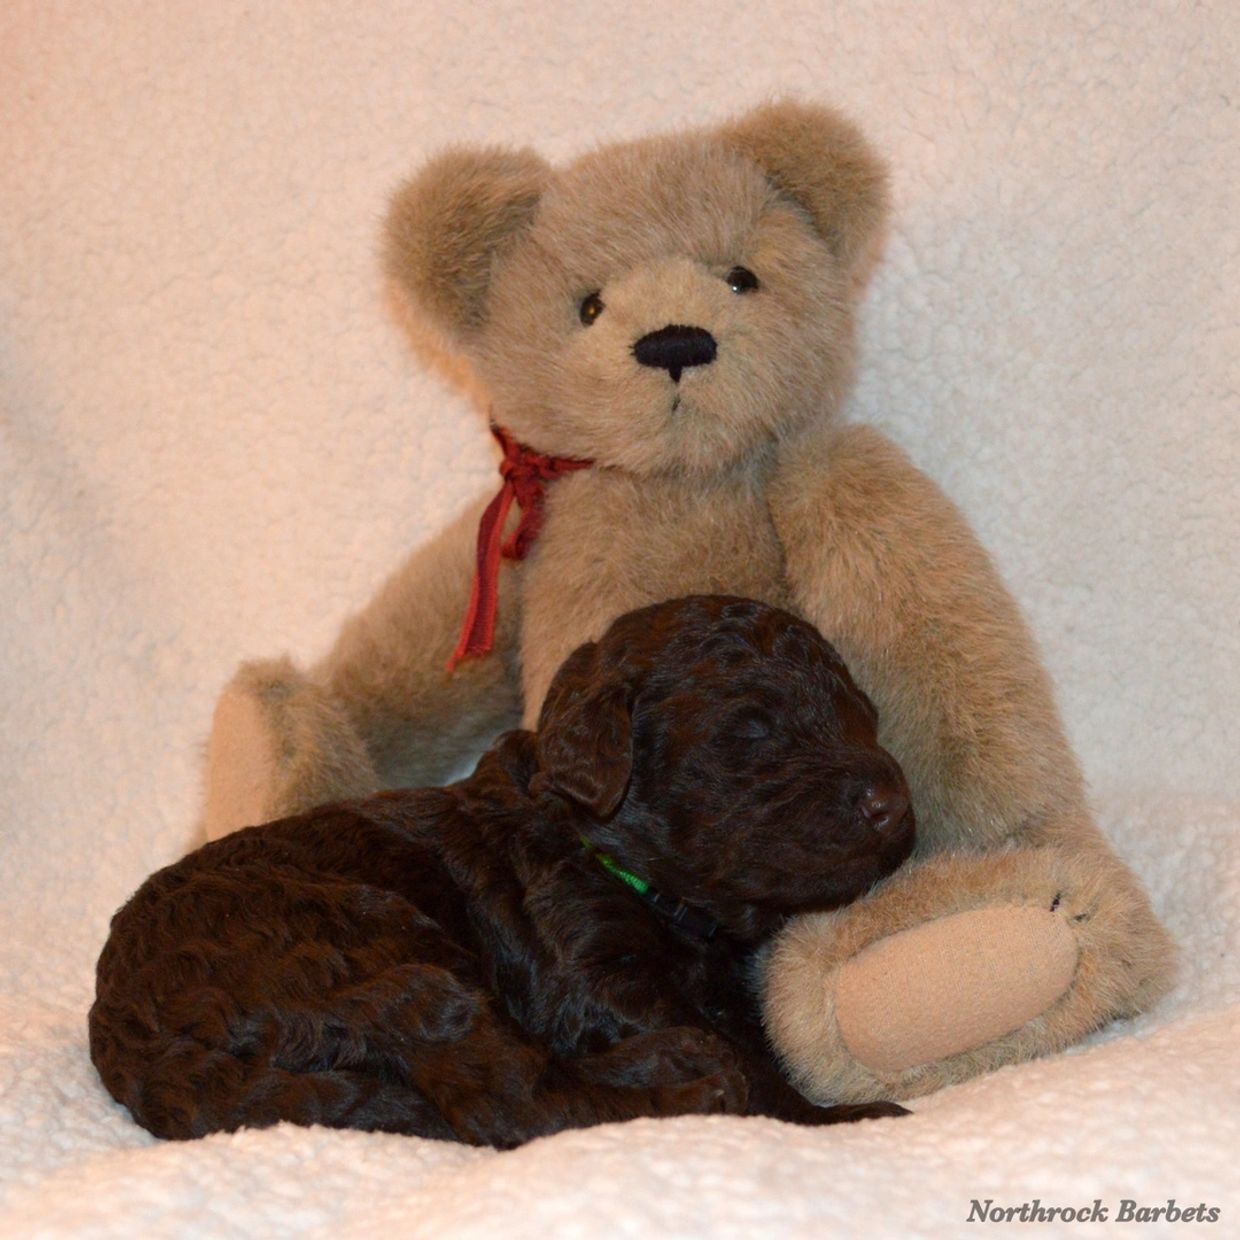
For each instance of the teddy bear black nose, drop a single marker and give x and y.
(674, 348)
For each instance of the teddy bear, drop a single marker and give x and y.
(664, 329)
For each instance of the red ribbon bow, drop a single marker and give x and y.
(525, 474)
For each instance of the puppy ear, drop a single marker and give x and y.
(822, 162)
(585, 734)
(447, 225)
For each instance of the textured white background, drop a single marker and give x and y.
(215, 441)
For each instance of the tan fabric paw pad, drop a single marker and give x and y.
(952, 984)
(240, 764)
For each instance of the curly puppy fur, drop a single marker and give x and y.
(452, 962)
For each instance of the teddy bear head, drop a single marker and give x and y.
(665, 305)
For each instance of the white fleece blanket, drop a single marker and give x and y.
(215, 442)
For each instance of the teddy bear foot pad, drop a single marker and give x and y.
(952, 984)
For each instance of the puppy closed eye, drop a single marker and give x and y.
(750, 726)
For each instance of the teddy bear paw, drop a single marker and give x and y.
(279, 745)
(952, 984)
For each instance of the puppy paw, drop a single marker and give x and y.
(684, 1054)
(687, 1071)
(699, 1074)
(721, 1093)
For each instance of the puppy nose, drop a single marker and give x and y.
(882, 808)
(675, 348)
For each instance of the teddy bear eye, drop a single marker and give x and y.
(741, 280)
(589, 310)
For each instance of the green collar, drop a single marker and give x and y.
(676, 911)
(612, 866)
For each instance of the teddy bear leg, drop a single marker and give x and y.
(279, 745)
(381, 709)
(962, 965)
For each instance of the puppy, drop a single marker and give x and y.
(567, 937)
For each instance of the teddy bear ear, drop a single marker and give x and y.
(821, 160)
(446, 226)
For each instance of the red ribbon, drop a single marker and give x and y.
(525, 474)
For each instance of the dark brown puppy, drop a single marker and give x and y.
(455, 962)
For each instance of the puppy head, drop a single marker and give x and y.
(721, 751)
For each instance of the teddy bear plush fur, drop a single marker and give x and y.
(1016, 930)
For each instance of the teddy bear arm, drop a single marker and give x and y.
(960, 965)
(1019, 930)
(887, 568)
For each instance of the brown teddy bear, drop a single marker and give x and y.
(665, 330)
